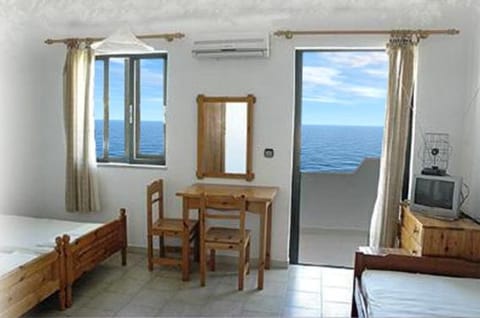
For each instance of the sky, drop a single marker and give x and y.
(346, 88)
(151, 87)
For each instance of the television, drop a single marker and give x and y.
(436, 196)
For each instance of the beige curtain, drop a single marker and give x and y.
(384, 224)
(81, 180)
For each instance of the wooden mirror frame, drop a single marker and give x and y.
(201, 101)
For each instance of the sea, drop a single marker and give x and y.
(337, 149)
(151, 138)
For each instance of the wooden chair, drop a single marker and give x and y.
(162, 227)
(224, 238)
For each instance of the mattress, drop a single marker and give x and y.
(37, 235)
(400, 294)
(11, 260)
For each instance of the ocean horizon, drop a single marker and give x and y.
(325, 148)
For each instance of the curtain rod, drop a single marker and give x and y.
(423, 34)
(167, 36)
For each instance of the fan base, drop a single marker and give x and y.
(434, 171)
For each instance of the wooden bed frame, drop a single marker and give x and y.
(29, 284)
(401, 260)
(87, 251)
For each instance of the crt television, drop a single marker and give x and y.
(437, 196)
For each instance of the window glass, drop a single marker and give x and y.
(116, 107)
(98, 107)
(151, 106)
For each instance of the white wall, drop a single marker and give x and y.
(441, 95)
(471, 131)
(32, 133)
(342, 201)
(22, 136)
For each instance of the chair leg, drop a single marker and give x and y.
(241, 267)
(247, 257)
(196, 243)
(162, 246)
(212, 260)
(185, 256)
(150, 252)
(203, 265)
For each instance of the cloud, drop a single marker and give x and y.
(151, 71)
(117, 60)
(151, 78)
(345, 76)
(356, 59)
(376, 72)
(153, 100)
(319, 75)
(365, 91)
(325, 100)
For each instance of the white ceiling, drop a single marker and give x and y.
(62, 16)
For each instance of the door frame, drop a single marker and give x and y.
(296, 174)
(297, 146)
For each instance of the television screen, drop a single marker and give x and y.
(434, 193)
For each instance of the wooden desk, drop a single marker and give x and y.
(259, 201)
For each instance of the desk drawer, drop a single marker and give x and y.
(444, 243)
(412, 226)
(410, 244)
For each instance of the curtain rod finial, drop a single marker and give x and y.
(286, 33)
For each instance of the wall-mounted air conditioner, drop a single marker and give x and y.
(231, 46)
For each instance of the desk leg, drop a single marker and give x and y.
(269, 237)
(185, 243)
(263, 247)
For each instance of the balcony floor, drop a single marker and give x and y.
(330, 247)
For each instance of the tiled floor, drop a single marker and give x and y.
(115, 291)
(330, 247)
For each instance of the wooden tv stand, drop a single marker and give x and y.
(427, 236)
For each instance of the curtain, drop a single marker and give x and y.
(81, 189)
(402, 56)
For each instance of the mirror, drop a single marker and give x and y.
(224, 145)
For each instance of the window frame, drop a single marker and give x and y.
(132, 110)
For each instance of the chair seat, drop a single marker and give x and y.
(225, 235)
(172, 225)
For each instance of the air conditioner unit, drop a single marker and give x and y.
(231, 46)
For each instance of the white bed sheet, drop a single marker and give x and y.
(11, 260)
(400, 294)
(37, 235)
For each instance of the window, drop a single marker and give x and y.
(130, 108)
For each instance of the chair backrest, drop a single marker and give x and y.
(223, 208)
(154, 198)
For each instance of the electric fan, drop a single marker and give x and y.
(436, 153)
